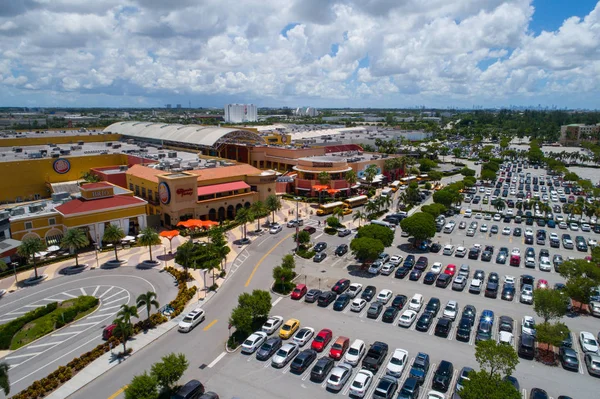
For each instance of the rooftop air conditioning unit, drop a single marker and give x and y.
(123, 168)
(35, 208)
(17, 211)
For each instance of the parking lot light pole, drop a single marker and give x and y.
(297, 225)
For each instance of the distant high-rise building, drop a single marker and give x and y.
(168, 106)
(178, 106)
(239, 113)
(306, 111)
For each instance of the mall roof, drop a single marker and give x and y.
(197, 135)
(222, 188)
(82, 206)
(218, 172)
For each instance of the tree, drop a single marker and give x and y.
(366, 249)
(581, 277)
(126, 312)
(303, 237)
(259, 210)
(219, 246)
(351, 178)
(324, 178)
(170, 370)
(496, 359)
(243, 217)
(142, 386)
(467, 172)
(377, 232)
(499, 204)
(481, 386)
(241, 319)
(288, 262)
(359, 215)
(434, 175)
(488, 175)
(370, 173)
(446, 197)
(273, 204)
(113, 234)
(420, 225)
(90, 177)
(551, 333)
(549, 304)
(338, 212)
(434, 210)
(73, 240)
(4, 381)
(184, 255)
(258, 302)
(333, 222)
(123, 330)
(571, 176)
(29, 247)
(148, 300)
(149, 237)
(425, 165)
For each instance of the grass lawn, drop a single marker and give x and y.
(46, 324)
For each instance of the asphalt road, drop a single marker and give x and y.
(113, 287)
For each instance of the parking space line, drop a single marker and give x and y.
(113, 295)
(106, 292)
(43, 345)
(108, 308)
(8, 319)
(22, 356)
(34, 306)
(221, 356)
(376, 378)
(116, 300)
(287, 367)
(276, 301)
(83, 291)
(82, 324)
(307, 373)
(66, 333)
(96, 290)
(67, 294)
(346, 389)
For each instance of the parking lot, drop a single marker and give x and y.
(262, 380)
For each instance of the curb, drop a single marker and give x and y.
(278, 294)
(230, 350)
(40, 279)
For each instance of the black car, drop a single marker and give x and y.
(443, 376)
(538, 393)
(463, 331)
(469, 312)
(443, 280)
(513, 381)
(433, 306)
(435, 247)
(302, 361)
(401, 272)
(443, 327)
(528, 239)
(341, 302)
(312, 295)
(568, 358)
(508, 292)
(424, 321)
(506, 323)
(268, 348)
(374, 310)
(410, 390)
(342, 249)
(368, 293)
(326, 298)
(321, 369)
(386, 388)
(517, 232)
(399, 301)
(422, 263)
(341, 286)
(319, 257)
(409, 261)
(430, 278)
(474, 253)
(491, 290)
(415, 275)
(487, 254)
(390, 314)
(320, 246)
(526, 346)
(420, 367)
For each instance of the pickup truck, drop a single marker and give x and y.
(375, 356)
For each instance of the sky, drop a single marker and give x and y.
(320, 53)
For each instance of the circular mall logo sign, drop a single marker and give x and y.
(61, 166)
(164, 193)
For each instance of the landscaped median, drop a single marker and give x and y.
(62, 374)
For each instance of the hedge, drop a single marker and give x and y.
(8, 330)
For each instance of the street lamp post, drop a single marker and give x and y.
(297, 225)
(96, 250)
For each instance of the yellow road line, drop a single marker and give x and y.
(120, 391)
(264, 256)
(212, 323)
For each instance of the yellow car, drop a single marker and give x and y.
(289, 328)
(347, 211)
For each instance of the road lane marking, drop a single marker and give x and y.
(276, 301)
(96, 290)
(46, 344)
(65, 333)
(108, 308)
(99, 315)
(221, 356)
(67, 294)
(212, 323)
(113, 295)
(21, 356)
(120, 391)
(264, 257)
(82, 325)
(116, 300)
(33, 306)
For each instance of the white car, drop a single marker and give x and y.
(283, 356)
(275, 228)
(396, 259)
(574, 226)
(527, 294)
(407, 318)
(530, 262)
(295, 222)
(416, 302)
(515, 251)
(468, 213)
(253, 342)
(272, 324)
(506, 231)
(592, 242)
(397, 362)
(471, 233)
(387, 269)
(191, 320)
(563, 225)
(483, 228)
(509, 279)
(487, 215)
(339, 376)
(448, 249)
(497, 217)
(545, 264)
(358, 304)
(360, 384)
(435, 395)
(528, 325)
(354, 289)
(528, 232)
(451, 310)
(436, 268)
(384, 296)
(478, 216)
(304, 335)
(375, 267)
(588, 342)
(355, 352)
(460, 252)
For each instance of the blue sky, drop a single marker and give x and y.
(339, 53)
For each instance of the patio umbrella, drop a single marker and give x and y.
(169, 235)
(191, 223)
(53, 248)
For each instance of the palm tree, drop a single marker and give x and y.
(4, 382)
(126, 312)
(243, 216)
(339, 212)
(29, 247)
(219, 244)
(148, 300)
(386, 201)
(90, 177)
(113, 234)
(324, 178)
(123, 330)
(499, 204)
(351, 178)
(370, 173)
(123, 322)
(273, 204)
(360, 216)
(73, 240)
(258, 209)
(371, 207)
(149, 237)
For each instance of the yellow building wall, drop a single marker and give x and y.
(75, 221)
(40, 225)
(45, 139)
(29, 177)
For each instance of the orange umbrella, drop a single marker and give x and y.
(169, 235)
(332, 191)
(190, 223)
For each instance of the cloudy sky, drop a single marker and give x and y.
(324, 53)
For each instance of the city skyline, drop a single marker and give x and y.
(327, 54)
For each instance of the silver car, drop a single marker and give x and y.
(284, 355)
(304, 335)
(253, 342)
(339, 376)
(527, 294)
(592, 362)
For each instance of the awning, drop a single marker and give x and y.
(7, 246)
(221, 188)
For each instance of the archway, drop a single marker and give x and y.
(247, 205)
(237, 208)
(30, 235)
(212, 214)
(221, 214)
(230, 213)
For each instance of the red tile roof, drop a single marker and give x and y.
(221, 188)
(81, 205)
(93, 186)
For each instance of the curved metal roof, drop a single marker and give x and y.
(206, 136)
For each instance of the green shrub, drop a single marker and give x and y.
(8, 330)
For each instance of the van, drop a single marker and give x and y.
(416, 302)
(382, 223)
(191, 390)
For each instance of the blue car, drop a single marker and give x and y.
(487, 316)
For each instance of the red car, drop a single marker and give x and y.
(339, 347)
(299, 291)
(450, 270)
(542, 284)
(321, 340)
(341, 286)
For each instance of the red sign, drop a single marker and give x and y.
(185, 191)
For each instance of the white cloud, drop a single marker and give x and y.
(463, 51)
